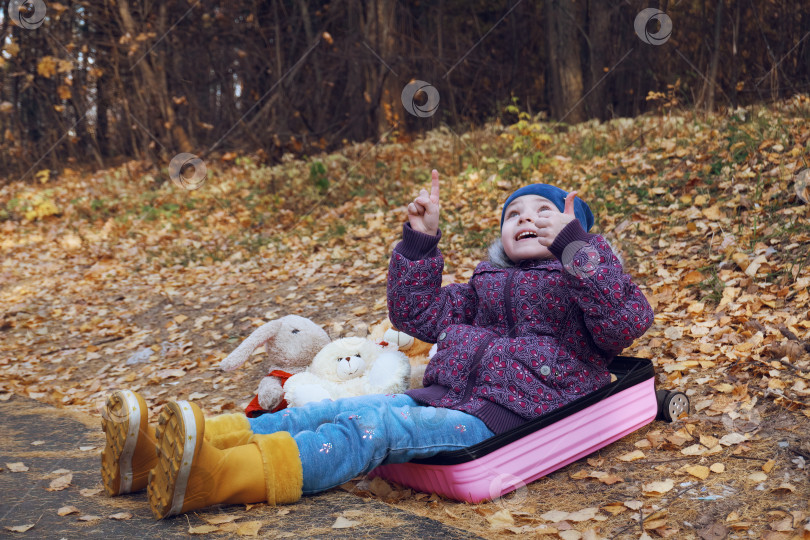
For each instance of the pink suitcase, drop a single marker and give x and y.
(511, 460)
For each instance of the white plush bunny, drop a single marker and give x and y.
(290, 343)
(348, 367)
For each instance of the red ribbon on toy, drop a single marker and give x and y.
(254, 409)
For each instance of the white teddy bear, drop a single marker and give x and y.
(291, 343)
(348, 367)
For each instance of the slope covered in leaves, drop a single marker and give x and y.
(117, 278)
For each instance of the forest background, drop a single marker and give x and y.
(106, 81)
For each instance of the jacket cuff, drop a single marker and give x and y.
(571, 233)
(416, 246)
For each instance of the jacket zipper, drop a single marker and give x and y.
(474, 368)
(473, 374)
(510, 319)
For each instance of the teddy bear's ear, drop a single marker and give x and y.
(376, 332)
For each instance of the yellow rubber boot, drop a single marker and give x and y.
(228, 430)
(129, 451)
(191, 473)
(283, 474)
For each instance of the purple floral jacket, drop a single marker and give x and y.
(515, 343)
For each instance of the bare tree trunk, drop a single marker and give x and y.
(270, 114)
(380, 84)
(306, 19)
(718, 19)
(154, 87)
(598, 40)
(735, 58)
(564, 61)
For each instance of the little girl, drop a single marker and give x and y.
(534, 329)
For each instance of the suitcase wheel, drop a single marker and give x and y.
(671, 405)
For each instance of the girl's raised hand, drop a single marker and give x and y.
(550, 224)
(423, 212)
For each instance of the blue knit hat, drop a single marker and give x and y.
(557, 196)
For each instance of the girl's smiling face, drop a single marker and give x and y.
(519, 231)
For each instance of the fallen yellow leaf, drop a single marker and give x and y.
(713, 213)
(697, 307)
(741, 259)
(554, 516)
(250, 528)
(60, 483)
(658, 488)
(20, 528)
(343, 523)
(583, 515)
(708, 441)
(501, 519)
(632, 456)
(758, 476)
(698, 471)
(690, 278)
(694, 450)
(202, 529)
(614, 508)
(362, 310)
(784, 488)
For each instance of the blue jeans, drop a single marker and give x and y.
(339, 440)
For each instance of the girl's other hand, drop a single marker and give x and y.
(423, 212)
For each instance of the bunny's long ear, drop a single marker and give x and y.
(258, 338)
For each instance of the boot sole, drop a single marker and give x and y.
(177, 440)
(121, 422)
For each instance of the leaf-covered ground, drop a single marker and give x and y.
(120, 278)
